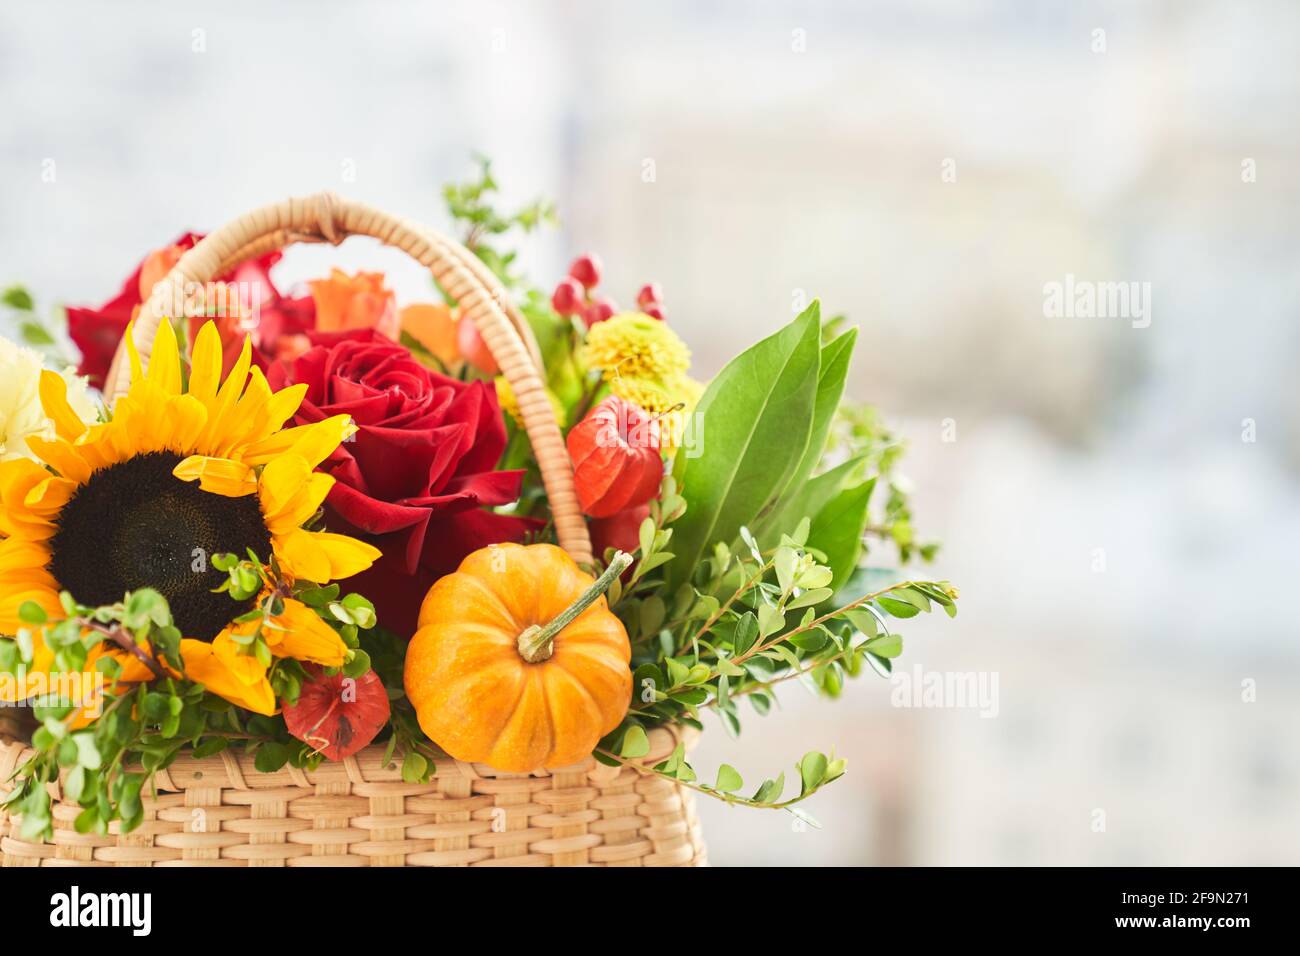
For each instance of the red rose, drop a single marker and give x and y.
(97, 332)
(418, 476)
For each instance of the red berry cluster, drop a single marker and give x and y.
(574, 295)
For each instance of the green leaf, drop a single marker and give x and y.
(831, 376)
(87, 753)
(755, 416)
(729, 780)
(801, 814)
(770, 791)
(898, 608)
(800, 533)
(728, 669)
(864, 621)
(784, 563)
(881, 665)
(36, 334)
(770, 620)
(16, 297)
(746, 632)
(415, 768)
(211, 747)
(646, 537)
(26, 648)
(812, 495)
(838, 527)
(812, 768)
(652, 614)
(635, 742)
(271, 757)
(812, 640)
(810, 598)
(358, 665)
(75, 784)
(886, 645)
(29, 612)
(914, 597)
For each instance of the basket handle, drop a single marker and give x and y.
(325, 217)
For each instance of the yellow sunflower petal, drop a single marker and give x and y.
(221, 417)
(205, 364)
(46, 597)
(299, 556)
(165, 360)
(63, 457)
(332, 555)
(137, 424)
(18, 555)
(305, 637)
(50, 495)
(54, 400)
(302, 506)
(314, 442)
(203, 663)
(18, 477)
(281, 482)
(283, 404)
(246, 421)
(26, 579)
(137, 370)
(186, 416)
(221, 476)
(233, 386)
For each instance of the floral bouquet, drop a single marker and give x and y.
(311, 521)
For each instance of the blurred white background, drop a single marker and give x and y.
(802, 146)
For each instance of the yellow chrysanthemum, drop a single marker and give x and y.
(147, 498)
(671, 401)
(633, 345)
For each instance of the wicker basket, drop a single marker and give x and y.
(220, 811)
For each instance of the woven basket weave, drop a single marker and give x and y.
(220, 811)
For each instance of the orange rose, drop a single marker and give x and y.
(355, 302)
(156, 266)
(434, 327)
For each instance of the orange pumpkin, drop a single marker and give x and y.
(518, 662)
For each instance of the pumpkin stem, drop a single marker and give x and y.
(536, 643)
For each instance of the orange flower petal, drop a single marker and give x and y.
(212, 669)
(305, 637)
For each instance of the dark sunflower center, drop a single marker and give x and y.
(136, 525)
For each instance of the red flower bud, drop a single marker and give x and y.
(586, 269)
(649, 295)
(472, 347)
(337, 716)
(620, 531)
(616, 461)
(598, 311)
(654, 312)
(568, 296)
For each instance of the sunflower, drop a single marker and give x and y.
(146, 499)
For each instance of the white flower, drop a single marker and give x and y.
(21, 414)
